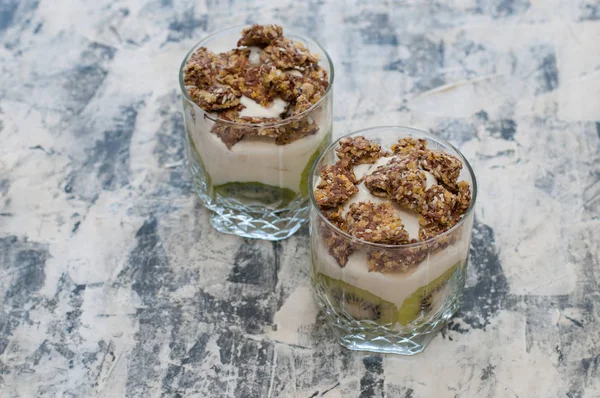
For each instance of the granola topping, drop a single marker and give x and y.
(338, 247)
(410, 180)
(201, 69)
(215, 97)
(358, 150)
(395, 261)
(463, 199)
(443, 166)
(439, 204)
(401, 181)
(260, 35)
(336, 186)
(267, 79)
(377, 223)
(288, 54)
(408, 145)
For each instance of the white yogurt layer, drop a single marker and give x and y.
(254, 109)
(254, 159)
(392, 287)
(254, 57)
(294, 72)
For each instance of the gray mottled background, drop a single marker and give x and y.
(112, 282)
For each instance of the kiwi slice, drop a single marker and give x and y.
(358, 303)
(256, 192)
(304, 177)
(363, 305)
(423, 299)
(432, 303)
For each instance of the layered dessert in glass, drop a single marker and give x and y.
(390, 232)
(257, 109)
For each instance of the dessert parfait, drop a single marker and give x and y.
(257, 109)
(391, 229)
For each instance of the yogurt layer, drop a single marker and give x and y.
(254, 159)
(254, 57)
(392, 287)
(254, 109)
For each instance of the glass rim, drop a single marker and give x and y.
(346, 235)
(297, 117)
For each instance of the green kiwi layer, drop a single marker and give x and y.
(306, 172)
(364, 305)
(253, 192)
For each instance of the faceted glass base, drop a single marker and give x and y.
(367, 335)
(268, 224)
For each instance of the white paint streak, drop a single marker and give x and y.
(295, 318)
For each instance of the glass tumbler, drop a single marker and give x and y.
(256, 188)
(392, 312)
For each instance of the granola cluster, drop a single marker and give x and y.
(443, 166)
(377, 223)
(338, 184)
(403, 182)
(358, 150)
(216, 97)
(284, 69)
(409, 145)
(260, 35)
(397, 260)
(339, 247)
